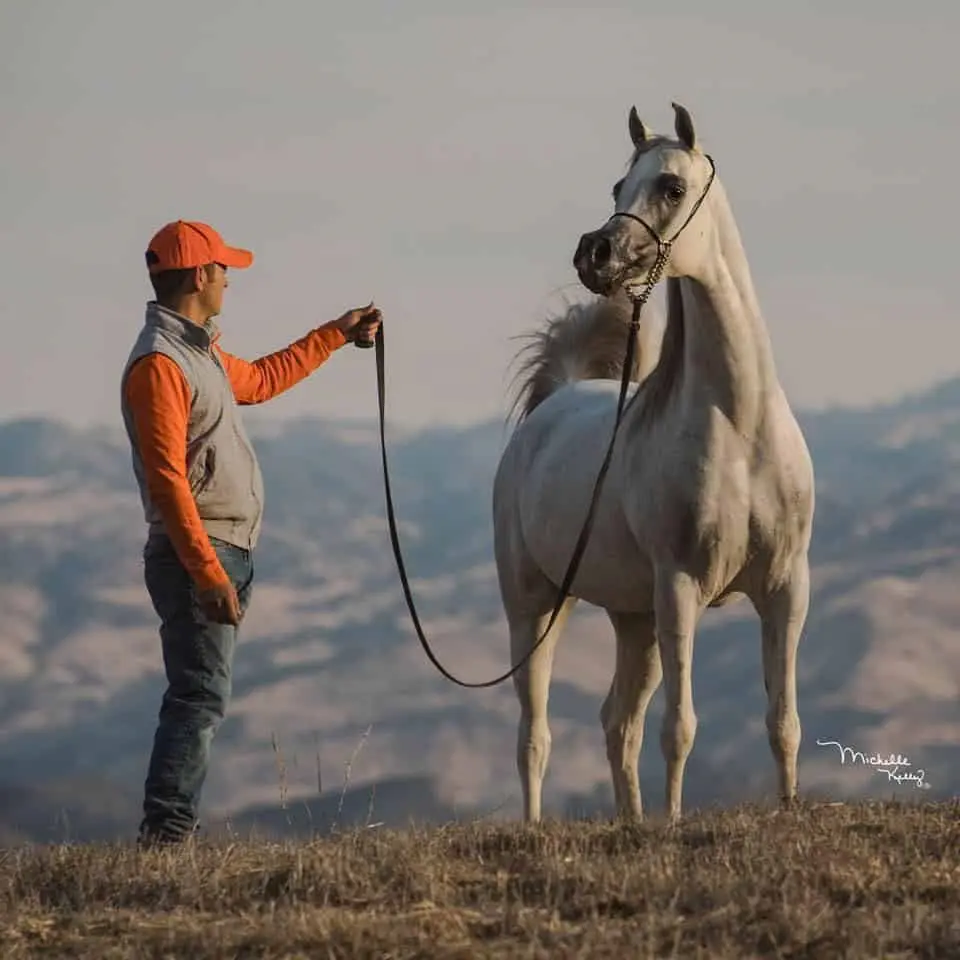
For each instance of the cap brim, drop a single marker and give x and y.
(236, 258)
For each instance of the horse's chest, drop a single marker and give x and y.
(712, 515)
(718, 521)
(701, 511)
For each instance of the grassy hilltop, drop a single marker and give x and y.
(831, 881)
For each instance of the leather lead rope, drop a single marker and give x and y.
(656, 271)
(581, 540)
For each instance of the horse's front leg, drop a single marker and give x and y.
(677, 608)
(783, 613)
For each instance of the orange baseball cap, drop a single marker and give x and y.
(188, 243)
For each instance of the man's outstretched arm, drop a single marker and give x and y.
(271, 375)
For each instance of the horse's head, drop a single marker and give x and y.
(654, 211)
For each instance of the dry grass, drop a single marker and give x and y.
(871, 880)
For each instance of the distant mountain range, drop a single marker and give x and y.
(329, 669)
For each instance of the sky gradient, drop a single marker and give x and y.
(445, 164)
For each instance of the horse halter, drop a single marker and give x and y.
(664, 247)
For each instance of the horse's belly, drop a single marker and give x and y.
(611, 575)
(555, 495)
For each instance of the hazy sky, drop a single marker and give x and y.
(446, 163)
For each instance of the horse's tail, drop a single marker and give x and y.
(587, 342)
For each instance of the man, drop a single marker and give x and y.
(202, 494)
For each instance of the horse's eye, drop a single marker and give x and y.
(676, 192)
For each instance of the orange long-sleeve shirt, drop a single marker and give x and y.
(159, 398)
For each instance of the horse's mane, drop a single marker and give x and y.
(588, 342)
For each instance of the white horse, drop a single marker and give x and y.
(710, 492)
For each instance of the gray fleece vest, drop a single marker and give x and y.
(222, 468)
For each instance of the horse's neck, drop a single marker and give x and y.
(727, 357)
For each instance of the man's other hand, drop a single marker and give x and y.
(220, 604)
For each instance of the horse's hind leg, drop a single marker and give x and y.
(532, 685)
(637, 676)
(528, 599)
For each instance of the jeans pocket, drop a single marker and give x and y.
(236, 561)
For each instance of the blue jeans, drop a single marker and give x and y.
(198, 659)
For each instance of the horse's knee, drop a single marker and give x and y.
(783, 730)
(678, 730)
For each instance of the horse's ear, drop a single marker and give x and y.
(639, 133)
(683, 124)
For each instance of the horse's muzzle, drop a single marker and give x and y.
(592, 261)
